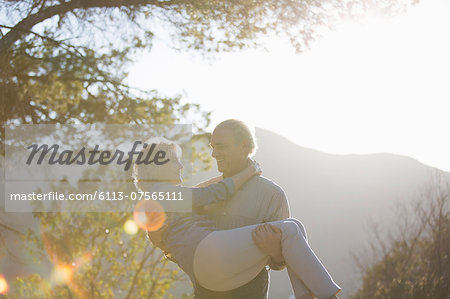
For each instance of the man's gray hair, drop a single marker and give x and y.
(241, 131)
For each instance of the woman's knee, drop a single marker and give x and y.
(296, 226)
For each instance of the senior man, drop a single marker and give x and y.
(260, 200)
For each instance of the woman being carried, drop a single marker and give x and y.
(222, 260)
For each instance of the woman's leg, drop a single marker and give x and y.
(303, 265)
(227, 259)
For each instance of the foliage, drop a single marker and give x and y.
(65, 61)
(415, 261)
(45, 82)
(93, 257)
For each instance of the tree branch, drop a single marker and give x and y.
(11, 229)
(138, 270)
(25, 25)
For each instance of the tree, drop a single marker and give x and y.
(65, 61)
(414, 260)
(94, 258)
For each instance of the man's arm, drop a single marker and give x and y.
(268, 237)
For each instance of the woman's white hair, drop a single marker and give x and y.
(147, 173)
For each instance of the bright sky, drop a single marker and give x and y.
(382, 85)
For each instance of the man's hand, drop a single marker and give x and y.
(268, 239)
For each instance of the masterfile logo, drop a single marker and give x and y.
(89, 168)
(92, 157)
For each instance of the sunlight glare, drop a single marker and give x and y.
(130, 227)
(62, 274)
(4, 287)
(149, 215)
(376, 85)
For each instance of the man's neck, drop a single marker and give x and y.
(235, 171)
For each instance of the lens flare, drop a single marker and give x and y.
(130, 227)
(149, 215)
(62, 274)
(4, 287)
(65, 272)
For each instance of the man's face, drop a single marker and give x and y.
(231, 157)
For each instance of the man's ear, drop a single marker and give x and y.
(245, 147)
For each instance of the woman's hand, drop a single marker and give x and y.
(242, 177)
(256, 168)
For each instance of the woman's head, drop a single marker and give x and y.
(167, 172)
